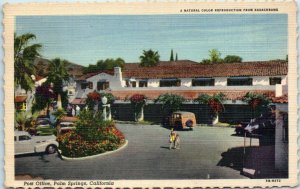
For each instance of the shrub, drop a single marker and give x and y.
(171, 102)
(91, 136)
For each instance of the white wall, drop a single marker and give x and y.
(114, 82)
(221, 81)
(260, 80)
(153, 83)
(187, 82)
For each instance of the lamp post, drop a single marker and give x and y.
(104, 105)
(104, 101)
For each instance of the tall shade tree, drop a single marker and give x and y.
(149, 58)
(232, 59)
(170, 102)
(57, 75)
(215, 56)
(24, 55)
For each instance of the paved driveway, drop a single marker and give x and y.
(147, 157)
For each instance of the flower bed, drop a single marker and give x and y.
(92, 136)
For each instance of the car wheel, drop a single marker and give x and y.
(189, 123)
(51, 149)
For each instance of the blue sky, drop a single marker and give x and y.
(86, 39)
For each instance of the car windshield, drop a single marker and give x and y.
(66, 124)
(43, 122)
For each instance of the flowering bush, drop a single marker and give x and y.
(256, 101)
(91, 136)
(94, 96)
(137, 98)
(215, 102)
(138, 101)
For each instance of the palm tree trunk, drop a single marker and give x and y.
(140, 115)
(215, 119)
(59, 104)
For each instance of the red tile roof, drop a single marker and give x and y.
(281, 99)
(88, 75)
(189, 94)
(38, 77)
(79, 101)
(69, 119)
(20, 98)
(189, 69)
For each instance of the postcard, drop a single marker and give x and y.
(150, 94)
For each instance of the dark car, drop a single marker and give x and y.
(263, 125)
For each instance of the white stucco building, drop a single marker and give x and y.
(187, 78)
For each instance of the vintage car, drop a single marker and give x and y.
(64, 127)
(182, 120)
(25, 143)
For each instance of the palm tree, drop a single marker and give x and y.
(23, 118)
(24, 55)
(149, 58)
(57, 75)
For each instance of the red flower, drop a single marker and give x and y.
(137, 98)
(94, 96)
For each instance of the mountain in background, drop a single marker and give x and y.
(42, 68)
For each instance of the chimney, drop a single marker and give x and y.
(118, 73)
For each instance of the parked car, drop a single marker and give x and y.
(182, 120)
(43, 123)
(25, 143)
(263, 125)
(64, 127)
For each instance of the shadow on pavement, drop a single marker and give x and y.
(165, 147)
(258, 158)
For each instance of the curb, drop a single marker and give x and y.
(94, 156)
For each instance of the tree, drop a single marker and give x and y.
(215, 102)
(149, 58)
(170, 102)
(205, 61)
(44, 96)
(215, 56)
(256, 101)
(176, 58)
(24, 55)
(232, 59)
(25, 119)
(172, 56)
(57, 75)
(93, 99)
(107, 64)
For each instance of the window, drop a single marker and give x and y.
(169, 83)
(102, 85)
(24, 137)
(203, 82)
(239, 81)
(70, 92)
(275, 80)
(130, 82)
(143, 83)
(84, 85)
(90, 85)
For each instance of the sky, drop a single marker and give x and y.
(86, 39)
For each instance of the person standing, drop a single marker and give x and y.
(172, 137)
(177, 142)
